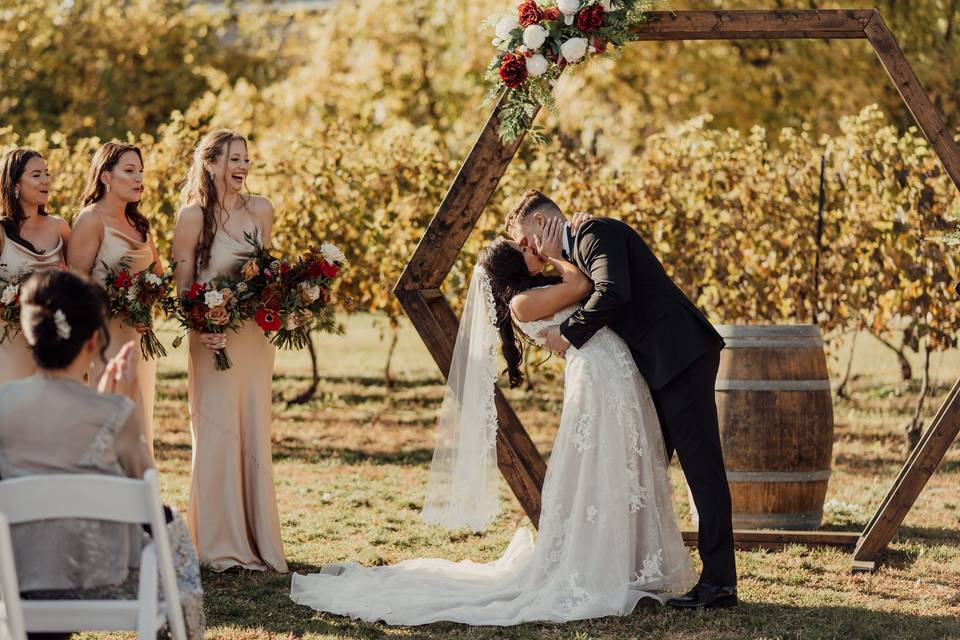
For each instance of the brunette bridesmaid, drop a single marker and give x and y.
(30, 240)
(110, 231)
(233, 508)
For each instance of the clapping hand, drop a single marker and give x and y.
(120, 376)
(550, 243)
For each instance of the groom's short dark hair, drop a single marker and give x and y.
(530, 202)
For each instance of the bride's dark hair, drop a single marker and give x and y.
(508, 274)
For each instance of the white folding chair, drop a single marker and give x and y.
(11, 613)
(97, 497)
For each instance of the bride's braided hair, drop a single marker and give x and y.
(509, 276)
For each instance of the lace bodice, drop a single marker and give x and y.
(533, 329)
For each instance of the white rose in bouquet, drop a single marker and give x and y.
(308, 293)
(153, 279)
(505, 26)
(573, 49)
(534, 36)
(568, 7)
(331, 253)
(213, 299)
(9, 294)
(536, 65)
(606, 4)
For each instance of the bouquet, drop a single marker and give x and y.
(132, 297)
(212, 307)
(288, 301)
(304, 305)
(10, 305)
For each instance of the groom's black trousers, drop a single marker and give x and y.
(688, 416)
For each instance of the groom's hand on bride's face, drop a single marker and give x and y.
(550, 243)
(555, 341)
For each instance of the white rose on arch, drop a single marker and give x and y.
(505, 26)
(573, 49)
(534, 36)
(536, 65)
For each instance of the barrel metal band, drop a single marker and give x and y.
(806, 520)
(778, 476)
(774, 343)
(772, 385)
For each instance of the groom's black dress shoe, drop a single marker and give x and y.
(706, 596)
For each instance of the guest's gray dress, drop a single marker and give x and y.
(51, 425)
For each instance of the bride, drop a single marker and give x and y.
(608, 535)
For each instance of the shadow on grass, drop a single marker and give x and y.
(251, 602)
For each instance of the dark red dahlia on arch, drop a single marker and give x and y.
(590, 18)
(529, 13)
(513, 70)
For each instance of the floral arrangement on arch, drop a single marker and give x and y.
(540, 40)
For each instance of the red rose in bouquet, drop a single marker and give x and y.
(513, 70)
(529, 13)
(552, 14)
(590, 18)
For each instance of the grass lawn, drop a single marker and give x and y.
(350, 468)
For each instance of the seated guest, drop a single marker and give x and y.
(53, 423)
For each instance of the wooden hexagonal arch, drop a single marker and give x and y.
(418, 288)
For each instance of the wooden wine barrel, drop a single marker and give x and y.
(776, 424)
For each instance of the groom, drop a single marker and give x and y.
(678, 353)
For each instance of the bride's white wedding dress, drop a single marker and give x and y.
(608, 534)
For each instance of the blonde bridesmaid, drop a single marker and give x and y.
(30, 240)
(233, 508)
(109, 231)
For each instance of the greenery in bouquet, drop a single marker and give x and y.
(265, 279)
(211, 307)
(133, 297)
(10, 305)
(535, 44)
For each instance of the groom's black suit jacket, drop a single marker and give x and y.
(634, 296)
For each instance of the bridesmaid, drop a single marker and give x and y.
(111, 229)
(30, 240)
(233, 509)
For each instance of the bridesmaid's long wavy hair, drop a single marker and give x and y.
(509, 276)
(12, 168)
(200, 187)
(106, 159)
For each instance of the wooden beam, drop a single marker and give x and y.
(461, 207)
(913, 94)
(776, 539)
(517, 457)
(753, 25)
(911, 480)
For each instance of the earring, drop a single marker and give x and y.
(16, 193)
(211, 174)
(108, 187)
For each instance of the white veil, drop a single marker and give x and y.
(463, 485)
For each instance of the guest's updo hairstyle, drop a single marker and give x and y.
(508, 274)
(56, 339)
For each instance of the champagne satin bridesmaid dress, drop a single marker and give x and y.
(116, 247)
(233, 514)
(16, 362)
